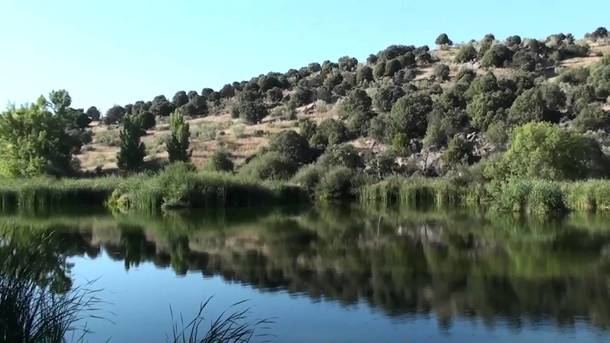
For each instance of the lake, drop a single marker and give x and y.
(335, 275)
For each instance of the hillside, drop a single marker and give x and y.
(320, 91)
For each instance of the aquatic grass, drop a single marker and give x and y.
(228, 327)
(534, 197)
(179, 186)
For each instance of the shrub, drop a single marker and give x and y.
(341, 155)
(392, 67)
(531, 106)
(179, 141)
(329, 132)
(459, 150)
(409, 114)
(486, 108)
(497, 133)
(180, 99)
(93, 113)
(307, 128)
(269, 166)
(114, 115)
(160, 106)
(513, 41)
(379, 70)
(356, 101)
(275, 94)
(497, 56)
(443, 40)
(441, 72)
(227, 91)
(382, 164)
(337, 184)
(466, 53)
(34, 141)
(146, 120)
(220, 161)
(309, 177)
(131, 155)
(364, 74)
(291, 145)
(592, 117)
(197, 105)
(385, 97)
(347, 63)
(251, 112)
(543, 150)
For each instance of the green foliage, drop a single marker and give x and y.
(459, 151)
(531, 105)
(179, 141)
(409, 114)
(497, 56)
(197, 105)
(146, 120)
(250, 111)
(385, 97)
(114, 114)
(220, 161)
(600, 78)
(131, 155)
(309, 177)
(269, 166)
(356, 101)
(337, 184)
(441, 72)
(307, 128)
(592, 117)
(344, 155)
(379, 70)
(291, 145)
(93, 113)
(329, 132)
(160, 106)
(364, 74)
(382, 165)
(545, 151)
(486, 108)
(392, 67)
(443, 39)
(466, 53)
(497, 133)
(33, 141)
(400, 144)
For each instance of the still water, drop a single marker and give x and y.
(330, 275)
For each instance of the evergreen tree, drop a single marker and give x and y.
(178, 144)
(131, 155)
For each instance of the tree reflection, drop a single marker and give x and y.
(449, 264)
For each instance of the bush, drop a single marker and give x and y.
(337, 184)
(329, 132)
(180, 99)
(392, 67)
(307, 128)
(441, 72)
(459, 151)
(269, 166)
(497, 133)
(341, 155)
(131, 155)
(531, 106)
(466, 53)
(197, 105)
(545, 151)
(497, 56)
(179, 141)
(364, 74)
(251, 112)
(409, 114)
(114, 115)
(379, 70)
(220, 161)
(592, 117)
(356, 101)
(93, 113)
(291, 145)
(160, 106)
(385, 97)
(309, 177)
(145, 120)
(443, 40)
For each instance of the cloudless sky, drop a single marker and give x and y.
(107, 52)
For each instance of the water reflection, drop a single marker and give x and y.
(451, 265)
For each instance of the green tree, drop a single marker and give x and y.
(291, 145)
(466, 53)
(443, 40)
(179, 141)
(33, 141)
(441, 72)
(496, 56)
(545, 151)
(385, 97)
(220, 161)
(409, 114)
(131, 155)
(592, 117)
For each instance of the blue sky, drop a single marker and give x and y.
(107, 52)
